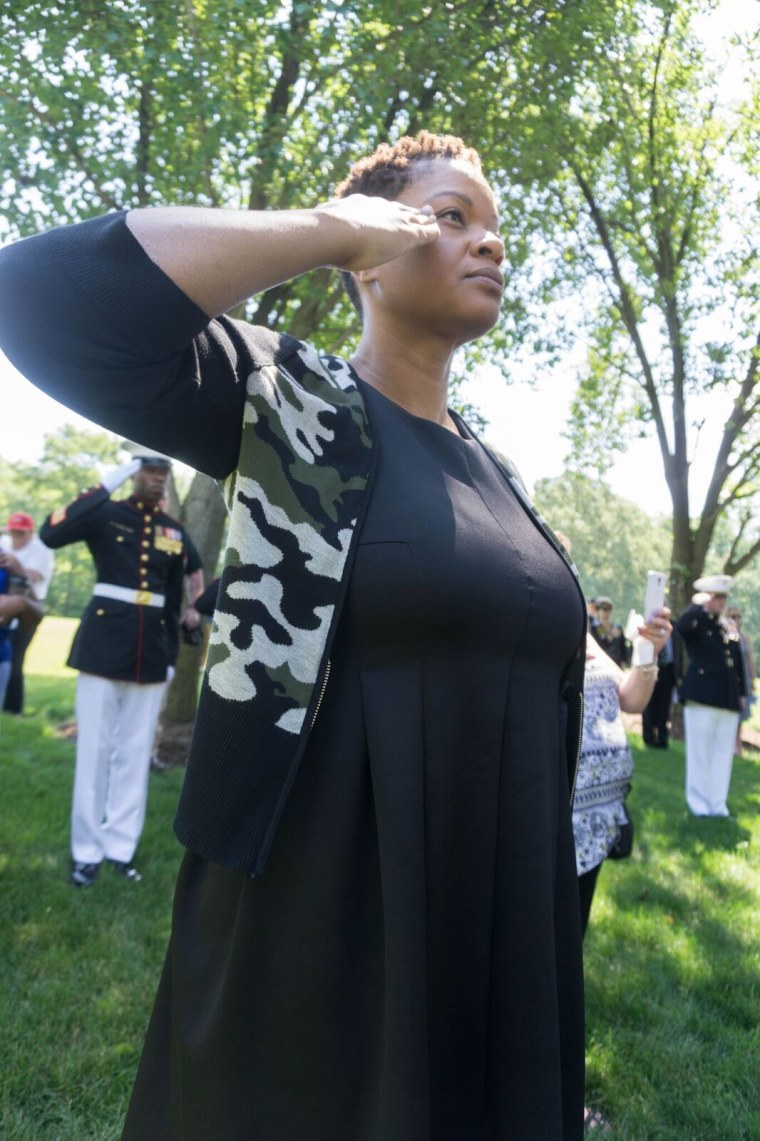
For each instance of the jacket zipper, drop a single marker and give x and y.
(325, 679)
(582, 703)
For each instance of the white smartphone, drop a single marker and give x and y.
(643, 650)
(655, 593)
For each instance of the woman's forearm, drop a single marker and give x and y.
(636, 689)
(112, 316)
(219, 258)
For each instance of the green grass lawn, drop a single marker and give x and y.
(672, 953)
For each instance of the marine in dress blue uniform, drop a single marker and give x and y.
(124, 649)
(712, 691)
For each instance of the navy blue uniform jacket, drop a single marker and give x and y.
(715, 675)
(136, 546)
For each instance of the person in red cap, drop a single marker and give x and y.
(23, 553)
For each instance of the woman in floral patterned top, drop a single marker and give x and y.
(606, 764)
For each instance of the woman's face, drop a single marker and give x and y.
(453, 286)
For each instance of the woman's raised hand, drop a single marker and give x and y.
(221, 257)
(658, 629)
(373, 230)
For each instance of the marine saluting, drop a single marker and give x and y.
(124, 648)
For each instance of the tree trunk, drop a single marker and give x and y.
(682, 575)
(182, 700)
(204, 515)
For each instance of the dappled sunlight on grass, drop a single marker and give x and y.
(47, 654)
(672, 952)
(672, 966)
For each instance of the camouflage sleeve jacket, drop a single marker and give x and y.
(286, 433)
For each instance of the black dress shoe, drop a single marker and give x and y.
(83, 875)
(125, 869)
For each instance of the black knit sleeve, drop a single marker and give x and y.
(76, 522)
(205, 603)
(90, 319)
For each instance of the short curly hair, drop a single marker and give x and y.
(391, 168)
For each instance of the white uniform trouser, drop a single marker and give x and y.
(710, 741)
(116, 722)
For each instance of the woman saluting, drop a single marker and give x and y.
(376, 929)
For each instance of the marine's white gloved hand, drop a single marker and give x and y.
(170, 673)
(119, 475)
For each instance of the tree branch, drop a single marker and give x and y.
(665, 262)
(142, 149)
(697, 184)
(734, 565)
(275, 115)
(750, 453)
(737, 420)
(624, 304)
(192, 24)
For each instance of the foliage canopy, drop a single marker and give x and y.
(650, 212)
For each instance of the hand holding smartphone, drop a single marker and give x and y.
(654, 599)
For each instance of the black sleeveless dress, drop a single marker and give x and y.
(408, 966)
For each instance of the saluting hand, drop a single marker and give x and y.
(119, 475)
(221, 257)
(376, 230)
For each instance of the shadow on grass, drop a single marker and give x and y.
(47, 698)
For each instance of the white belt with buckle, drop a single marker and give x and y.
(125, 594)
